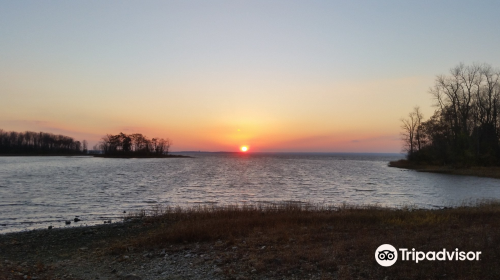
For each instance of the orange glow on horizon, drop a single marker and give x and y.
(244, 148)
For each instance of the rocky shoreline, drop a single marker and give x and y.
(83, 253)
(91, 253)
(288, 241)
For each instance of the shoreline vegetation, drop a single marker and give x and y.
(40, 144)
(464, 131)
(139, 156)
(133, 145)
(463, 135)
(45, 155)
(111, 146)
(280, 241)
(478, 171)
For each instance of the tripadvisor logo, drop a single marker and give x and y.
(387, 255)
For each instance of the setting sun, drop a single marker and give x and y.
(244, 148)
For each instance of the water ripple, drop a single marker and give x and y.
(41, 191)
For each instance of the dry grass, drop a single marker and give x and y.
(295, 240)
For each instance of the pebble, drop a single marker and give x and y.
(76, 220)
(68, 222)
(217, 270)
(180, 264)
(131, 277)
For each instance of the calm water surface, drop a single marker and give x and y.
(39, 191)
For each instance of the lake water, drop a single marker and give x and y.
(39, 191)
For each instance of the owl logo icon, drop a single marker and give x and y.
(386, 255)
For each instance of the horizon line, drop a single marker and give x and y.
(300, 152)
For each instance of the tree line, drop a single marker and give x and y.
(465, 128)
(30, 142)
(133, 144)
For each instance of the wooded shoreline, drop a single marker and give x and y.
(94, 155)
(141, 156)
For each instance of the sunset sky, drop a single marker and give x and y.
(310, 76)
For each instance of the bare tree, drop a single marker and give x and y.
(412, 131)
(84, 146)
(465, 130)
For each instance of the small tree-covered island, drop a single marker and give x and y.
(133, 145)
(463, 135)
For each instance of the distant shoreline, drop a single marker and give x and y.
(45, 155)
(141, 156)
(93, 155)
(479, 171)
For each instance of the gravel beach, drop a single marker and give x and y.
(82, 253)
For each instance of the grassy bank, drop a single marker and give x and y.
(294, 241)
(480, 171)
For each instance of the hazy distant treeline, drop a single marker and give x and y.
(29, 142)
(465, 128)
(137, 144)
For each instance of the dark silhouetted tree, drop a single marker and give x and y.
(133, 144)
(464, 130)
(37, 143)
